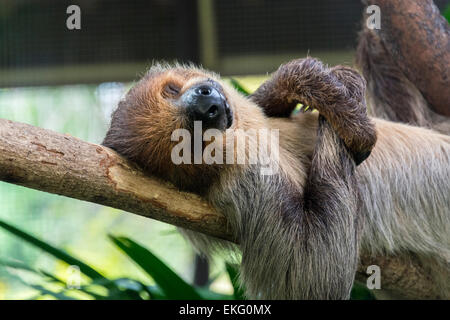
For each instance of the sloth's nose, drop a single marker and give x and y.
(205, 103)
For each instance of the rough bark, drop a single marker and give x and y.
(61, 164)
(417, 37)
(402, 277)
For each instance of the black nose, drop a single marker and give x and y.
(205, 103)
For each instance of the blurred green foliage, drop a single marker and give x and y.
(446, 13)
(94, 285)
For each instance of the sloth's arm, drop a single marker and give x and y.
(337, 93)
(301, 245)
(330, 237)
(311, 251)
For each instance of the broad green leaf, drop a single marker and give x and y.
(57, 253)
(18, 265)
(446, 13)
(21, 266)
(237, 85)
(155, 293)
(170, 283)
(116, 290)
(360, 292)
(211, 295)
(44, 291)
(46, 275)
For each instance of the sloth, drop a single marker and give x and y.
(345, 183)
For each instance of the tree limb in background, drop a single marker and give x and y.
(61, 164)
(417, 38)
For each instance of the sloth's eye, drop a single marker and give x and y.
(171, 90)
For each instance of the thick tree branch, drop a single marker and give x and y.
(61, 164)
(58, 163)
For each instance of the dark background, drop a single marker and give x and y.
(119, 38)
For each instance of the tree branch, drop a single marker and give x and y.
(417, 37)
(61, 164)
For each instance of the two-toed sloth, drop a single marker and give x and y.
(300, 229)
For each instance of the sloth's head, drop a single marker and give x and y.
(184, 95)
(168, 98)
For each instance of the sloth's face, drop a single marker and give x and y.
(147, 122)
(189, 96)
(157, 125)
(204, 101)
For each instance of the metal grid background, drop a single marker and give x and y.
(34, 34)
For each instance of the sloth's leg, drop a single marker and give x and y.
(337, 93)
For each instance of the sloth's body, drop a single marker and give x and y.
(299, 230)
(404, 184)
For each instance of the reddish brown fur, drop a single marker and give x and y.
(143, 124)
(389, 92)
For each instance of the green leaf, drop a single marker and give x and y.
(360, 292)
(170, 283)
(155, 293)
(211, 295)
(18, 265)
(57, 253)
(130, 288)
(233, 274)
(44, 291)
(236, 84)
(115, 291)
(446, 13)
(118, 289)
(21, 266)
(46, 275)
